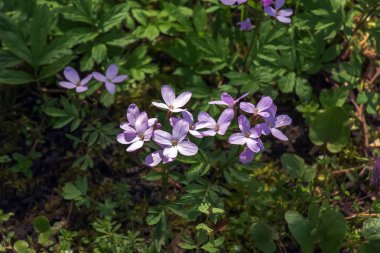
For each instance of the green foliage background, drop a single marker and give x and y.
(65, 184)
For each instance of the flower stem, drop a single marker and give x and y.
(164, 184)
(242, 14)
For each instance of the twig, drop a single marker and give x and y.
(338, 172)
(363, 215)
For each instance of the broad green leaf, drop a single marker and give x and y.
(331, 231)
(41, 224)
(297, 167)
(263, 236)
(331, 98)
(371, 246)
(300, 229)
(330, 127)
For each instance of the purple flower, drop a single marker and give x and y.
(260, 109)
(173, 103)
(193, 127)
(232, 2)
(281, 15)
(266, 2)
(132, 113)
(272, 123)
(227, 99)
(110, 78)
(129, 127)
(248, 136)
(219, 127)
(142, 133)
(73, 80)
(246, 156)
(375, 175)
(157, 157)
(175, 142)
(245, 25)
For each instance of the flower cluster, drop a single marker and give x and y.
(140, 129)
(110, 78)
(271, 8)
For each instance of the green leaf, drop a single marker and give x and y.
(41, 23)
(55, 67)
(331, 98)
(371, 228)
(153, 217)
(8, 60)
(44, 237)
(331, 53)
(303, 89)
(82, 12)
(55, 50)
(107, 99)
(21, 246)
(15, 77)
(71, 192)
(200, 18)
(41, 224)
(330, 127)
(99, 52)
(204, 227)
(300, 229)
(185, 245)
(287, 82)
(372, 246)
(13, 40)
(331, 231)
(115, 16)
(263, 236)
(297, 167)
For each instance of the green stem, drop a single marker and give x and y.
(242, 14)
(164, 184)
(255, 35)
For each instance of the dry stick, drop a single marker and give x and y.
(373, 79)
(344, 171)
(363, 215)
(69, 214)
(361, 117)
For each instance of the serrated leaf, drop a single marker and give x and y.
(15, 77)
(99, 52)
(71, 192)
